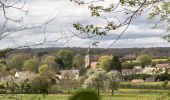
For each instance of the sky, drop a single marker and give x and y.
(139, 34)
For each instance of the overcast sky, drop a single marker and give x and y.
(139, 34)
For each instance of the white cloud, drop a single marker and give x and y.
(139, 33)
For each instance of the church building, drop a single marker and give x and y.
(90, 61)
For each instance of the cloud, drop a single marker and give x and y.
(139, 34)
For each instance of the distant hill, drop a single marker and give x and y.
(156, 52)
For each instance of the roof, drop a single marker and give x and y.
(148, 70)
(93, 65)
(162, 66)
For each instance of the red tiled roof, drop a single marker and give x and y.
(162, 66)
(93, 65)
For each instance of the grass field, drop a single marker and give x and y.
(122, 94)
(154, 60)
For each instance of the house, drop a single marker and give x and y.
(127, 71)
(135, 70)
(162, 66)
(68, 74)
(24, 75)
(148, 70)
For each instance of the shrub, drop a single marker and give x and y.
(135, 76)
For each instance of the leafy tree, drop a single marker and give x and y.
(97, 81)
(45, 72)
(68, 78)
(51, 62)
(60, 63)
(78, 61)
(47, 75)
(104, 62)
(116, 64)
(3, 70)
(113, 80)
(31, 65)
(66, 56)
(17, 61)
(145, 60)
(39, 85)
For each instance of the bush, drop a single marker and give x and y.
(159, 85)
(163, 77)
(3, 91)
(135, 76)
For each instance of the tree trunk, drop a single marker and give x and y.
(112, 92)
(98, 92)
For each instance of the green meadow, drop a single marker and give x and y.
(122, 94)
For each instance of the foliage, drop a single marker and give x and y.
(135, 76)
(17, 61)
(144, 85)
(3, 70)
(31, 65)
(60, 63)
(78, 61)
(130, 9)
(51, 62)
(45, 72)
(97, 81)
(39, 85)
(162, 11)
(104, 62)
(116, 64)
(66, 56)
(128, 65)
(165, 84)
(145, 60)
(113, 79)
(168, 60)
(85, 95)
(69, 75)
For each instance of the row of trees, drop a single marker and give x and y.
(63, 59)
(101, 80)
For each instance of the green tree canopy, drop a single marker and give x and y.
(46, 72)
(116, 64)
(78, 61)
(3, 70)
(17, 61)
(145, 60)
(97, 80)
(67, 58)
(31, 65)
(104, 62)
(113, 79)
(51, 62)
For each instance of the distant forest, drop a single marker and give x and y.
(158, 52)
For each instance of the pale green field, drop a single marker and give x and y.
(156, 60)
(122, 94)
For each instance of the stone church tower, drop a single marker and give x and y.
(88, 58)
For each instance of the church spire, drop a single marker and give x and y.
(88, 51)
